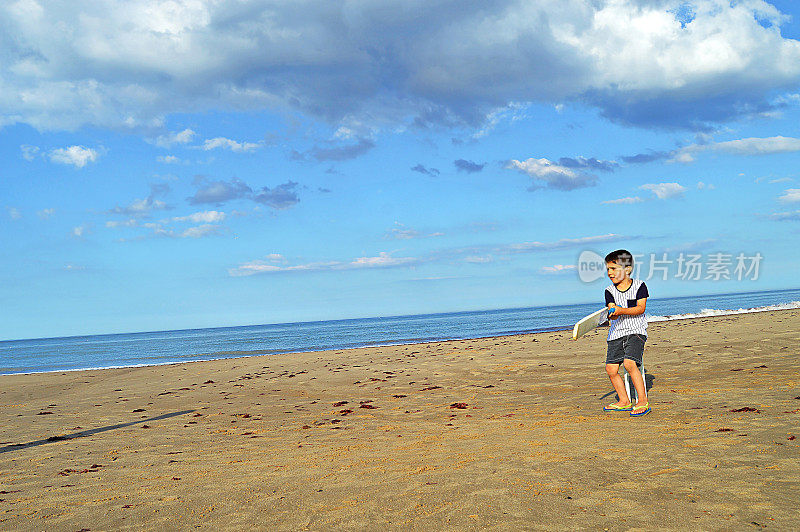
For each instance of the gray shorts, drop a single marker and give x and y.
(630, 346)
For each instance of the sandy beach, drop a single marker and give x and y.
(503, 433)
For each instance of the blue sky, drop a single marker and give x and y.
(197, 164)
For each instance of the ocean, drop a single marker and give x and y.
(169, 347)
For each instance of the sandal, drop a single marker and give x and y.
(614, 407)
(643, 410)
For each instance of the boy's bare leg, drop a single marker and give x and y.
(638, 382)
(619, 386)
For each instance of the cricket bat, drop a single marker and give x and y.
(591, 322)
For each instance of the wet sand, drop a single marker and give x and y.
(503, 433)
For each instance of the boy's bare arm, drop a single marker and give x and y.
(641, 304)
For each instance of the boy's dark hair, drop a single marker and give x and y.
(622, 257)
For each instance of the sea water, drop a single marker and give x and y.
(168, 347)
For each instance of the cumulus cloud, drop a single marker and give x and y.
(143, 207)
(200, 231)
(462, 165)
(78, 156)
(208, 217)
(552, 175)
(172, 138)
(219, 192)
(168, 159)
(791, 195)
(45, 214)
(119, 64)
(209, 225)
(279, 197)
(14, 213)
(228, 144)
(665, 190)
(158, 229)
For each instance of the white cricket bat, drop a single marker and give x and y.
(591, 322)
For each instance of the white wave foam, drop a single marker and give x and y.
(93, 368)
(706, 312)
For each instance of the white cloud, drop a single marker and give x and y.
(78, 156)
(140, 208)
(479, 259)
(560, 244)
(705, 186)
(200, 231)
(274, 261)
(790, 195)
(758, 146)
(259, 266)
(781, 180)
(624, 201)
(476, 254)
(131, 222)
(80, 231)
(558, 268)
(552, 174)
(383, 260)
(222, 142)
(45, 214)
(174, 137)
(208, 217)
(513, 112)
(401, 232)
(276, 257)
(665, 190)
(29, 152)
(14, 213)
(159, 229)
(748, 146)
(168, 159)
(123, 64)
(793, 216)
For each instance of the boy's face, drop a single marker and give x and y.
(616, 272)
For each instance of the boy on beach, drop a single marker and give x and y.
(627, 331)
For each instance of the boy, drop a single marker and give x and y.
(627, 331)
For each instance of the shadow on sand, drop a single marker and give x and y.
(649, 378)
(89, 432)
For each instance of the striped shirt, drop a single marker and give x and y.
(625, 325)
